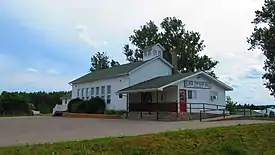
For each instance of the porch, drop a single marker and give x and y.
(163, 95)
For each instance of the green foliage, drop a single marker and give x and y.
(230, 105)
(95, 106)
(263, 38)
(40, 101)
(73, 104)
(114, 112)
(172, 35)
(253, 139)
(101, 61)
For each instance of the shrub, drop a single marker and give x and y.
(95, 106)
(72, 105)
(81, 107)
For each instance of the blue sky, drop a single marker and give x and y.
(45, 44)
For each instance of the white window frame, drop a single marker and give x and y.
(149, 53)
(103, 93)
(87, 93)
(145, 53)
(193, 94)
(82, 92)
(155, 52)
(92, 92)
(109, 90)
(78, 92)
(97, 91)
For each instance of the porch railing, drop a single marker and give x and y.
(197, 107)
(153, 107)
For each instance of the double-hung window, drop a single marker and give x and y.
(103, 93)
(108, 94)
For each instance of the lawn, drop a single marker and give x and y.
(252, 139)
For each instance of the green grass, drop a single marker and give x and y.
(256, 139)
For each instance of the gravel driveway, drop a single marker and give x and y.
(22, 130)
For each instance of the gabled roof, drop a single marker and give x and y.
(161, 82)
(150, 47)
(109, 72)
(155, 83)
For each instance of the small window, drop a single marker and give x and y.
(65, 101)
(154, 52)
(87, 92)
(149, 53)
(82, 92)
(103, 92)
(145, 53)
(97, 91)
(159, 53)
(78, 92)
(108, 94)
(191, 94)
(92, 92)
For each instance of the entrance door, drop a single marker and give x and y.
(183, 104)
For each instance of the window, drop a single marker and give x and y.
(65, 101)
(159, 53)
(145, 53)
(78, 92)
(103, 92)
(108, 94)
(97, 91)
(213, 95)
(149, 53)
(154, 52)
(87, 92)
(82, 92)
(191, 94)
(92, 92)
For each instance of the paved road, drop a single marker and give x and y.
(22, 130)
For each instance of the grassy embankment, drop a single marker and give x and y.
(253, 139)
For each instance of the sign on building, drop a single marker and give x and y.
(197, 84)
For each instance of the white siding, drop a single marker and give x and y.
(116, 84)
(203, 95)
(151, 56)
(152, 69)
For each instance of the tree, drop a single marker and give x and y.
(172, 35)
(230, 105)
(263, 38)
(101, 61)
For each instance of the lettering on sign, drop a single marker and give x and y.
(197, 84)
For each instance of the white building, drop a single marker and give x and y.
(143, 85)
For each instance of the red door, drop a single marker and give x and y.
(182, 100)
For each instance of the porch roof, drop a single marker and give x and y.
(155, 83)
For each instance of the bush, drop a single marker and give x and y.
(73, 104)
(95, 106)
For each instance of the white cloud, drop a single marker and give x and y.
(33, 70)
(84, 35)
(52, 71)
(25, 80)
(224, 25)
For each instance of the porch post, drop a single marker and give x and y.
(157, 104)
(141, 103)
(128, 98)
(178, 96)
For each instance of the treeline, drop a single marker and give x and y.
(21, 103)
(253, 107)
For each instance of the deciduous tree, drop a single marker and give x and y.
(171, 34)
(263, 38)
